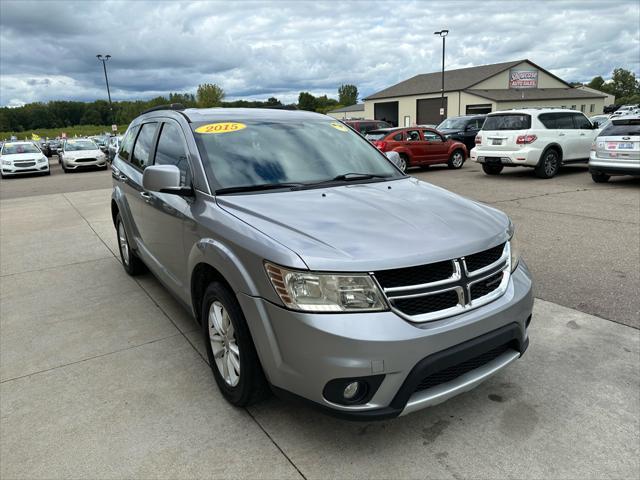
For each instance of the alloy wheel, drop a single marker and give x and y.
(551, 164)
(224, 346)
(124, 244)
(457, 159)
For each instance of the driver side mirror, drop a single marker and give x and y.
(596, 124)
(164, 179)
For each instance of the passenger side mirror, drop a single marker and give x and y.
(394, 157)
(164, 179)
(596, 124)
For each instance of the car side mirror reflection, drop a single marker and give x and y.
(164, 179)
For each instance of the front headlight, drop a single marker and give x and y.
(514, 248)
(6, 162)
(325, 292)
(42, 159)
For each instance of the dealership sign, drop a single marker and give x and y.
(523, 78)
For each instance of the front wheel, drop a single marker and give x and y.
(600, 177)
(456, 160)
(549, 164)
(403, 163)
(492, 169)
(230, 350)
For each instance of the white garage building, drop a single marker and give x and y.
(483, 89)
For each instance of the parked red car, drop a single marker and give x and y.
(419, 146)
(364, 126)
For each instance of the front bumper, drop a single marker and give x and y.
(73, 164)
(301, 352)
(13, 170)
(527, 156)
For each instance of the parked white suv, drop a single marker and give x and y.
(542, 138)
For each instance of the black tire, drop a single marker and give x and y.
(492, 169)
(549, 164)
(252, 385)
(600, 177)
(405, 159)
(130, 261)
(456, 160)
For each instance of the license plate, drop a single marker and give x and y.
(496, 142)
(625, 146)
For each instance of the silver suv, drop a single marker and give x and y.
(616, 151)
(314, 266)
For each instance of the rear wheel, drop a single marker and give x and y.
(549, 164)
(600, 177)
(130, 261)
(456, 160)
(492, 169)
(403, 163)
(230, 350)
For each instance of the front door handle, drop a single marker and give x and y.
(582, 134)
(561, 134)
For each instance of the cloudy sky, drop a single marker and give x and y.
(257, 49)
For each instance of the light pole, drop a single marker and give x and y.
(104, 60)
(443, 34)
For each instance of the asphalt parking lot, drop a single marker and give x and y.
(104, 376)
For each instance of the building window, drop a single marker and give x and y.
(573, 107)
(478, 109)
(583, 108)
(592, 108)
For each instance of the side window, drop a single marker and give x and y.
(127, 143)
(142, 148)
(548, 120)
(430, 136)
(398, 137)
(581, 122)
(413, 136)
(171, 151)
(564, 121)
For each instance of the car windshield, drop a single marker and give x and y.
(74, 145)
(507, 121)
(273, 152)
(15, 148)
(453, 123)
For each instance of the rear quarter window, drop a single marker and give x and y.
(507, 121)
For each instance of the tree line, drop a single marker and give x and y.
(623, 85)
(61, 113)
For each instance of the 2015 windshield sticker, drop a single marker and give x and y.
(339, 126)
(224, 127)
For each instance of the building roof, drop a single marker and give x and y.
(358, 107)
(505, 95)
(459, 79)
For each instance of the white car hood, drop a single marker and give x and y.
(16, 157)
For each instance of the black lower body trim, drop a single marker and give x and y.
(614, 170)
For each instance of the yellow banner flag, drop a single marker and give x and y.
(35, 138)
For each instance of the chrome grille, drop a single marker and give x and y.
(437, 290)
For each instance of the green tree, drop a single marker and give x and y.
(596, 83)
(306, 101)
(209, 95)
(91, 117)
(347, 95)
(624, 83)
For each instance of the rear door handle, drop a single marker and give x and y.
(582, 134)
(561, 134)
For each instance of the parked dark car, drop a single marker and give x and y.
(463, 129)
(419, 146)
(54, 146)
(364, 126)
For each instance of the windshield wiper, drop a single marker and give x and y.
(350, 177)
(256, 188)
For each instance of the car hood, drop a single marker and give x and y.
(16, 157)
(372, 226)
(82, 153)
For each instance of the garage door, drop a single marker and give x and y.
(428, 110)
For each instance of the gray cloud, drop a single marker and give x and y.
(257, 49)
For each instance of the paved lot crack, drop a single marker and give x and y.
(550, 194)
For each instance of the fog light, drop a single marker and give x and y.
(351, 390)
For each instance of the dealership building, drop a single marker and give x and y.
(474, 90)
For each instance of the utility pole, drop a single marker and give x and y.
(443, 34)
(104, 59)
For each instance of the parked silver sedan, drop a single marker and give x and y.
(80, 153)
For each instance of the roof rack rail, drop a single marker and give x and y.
(171, 106)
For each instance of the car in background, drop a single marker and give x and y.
(81, 153)
(624, 110)
(540, 138)
(419, 146)
(616, 150)
(600, 121)
(22, 157)
(463, 128)
(101, 141)
(313, 266)
(112, 146)
(54, 146)
(364, 126)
